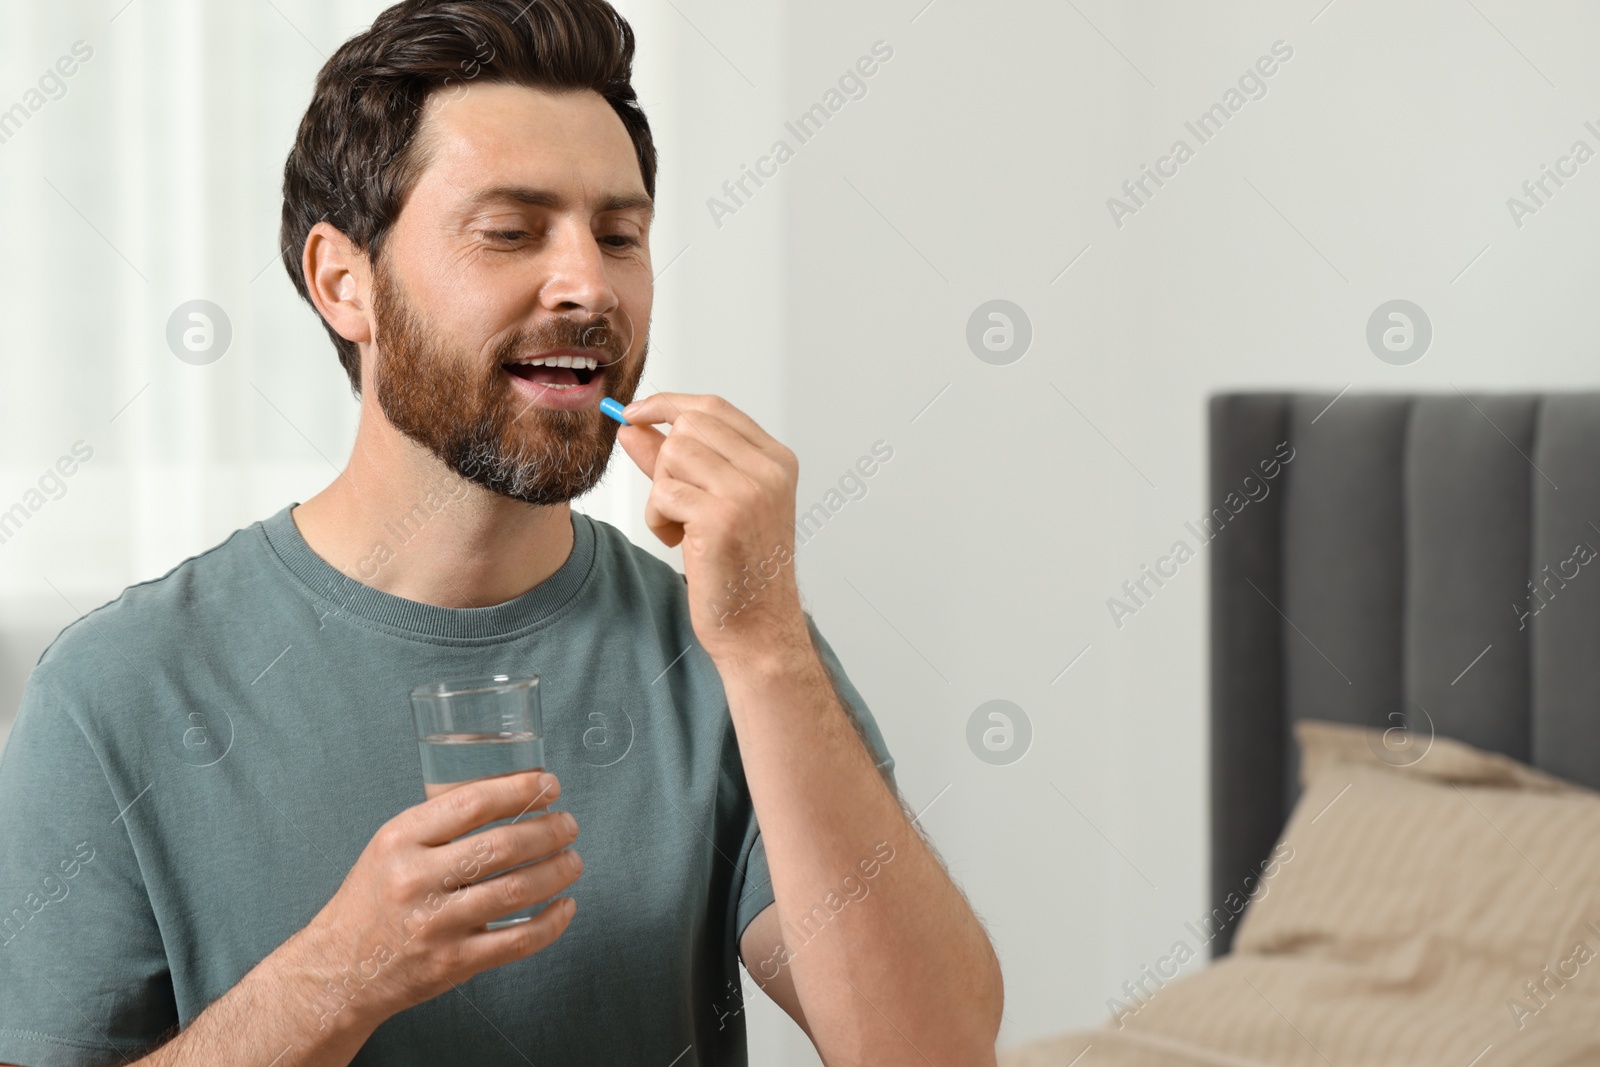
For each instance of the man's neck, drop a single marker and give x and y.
(400, 521)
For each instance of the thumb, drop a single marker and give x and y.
(642, 444)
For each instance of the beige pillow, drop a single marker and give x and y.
(1431, 907)
(1439, 759)
(1463, 871)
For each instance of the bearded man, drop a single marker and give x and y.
(212, 791)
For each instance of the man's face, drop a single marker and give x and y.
(525, 236)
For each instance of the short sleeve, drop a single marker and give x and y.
(756, 894)
(83, 975)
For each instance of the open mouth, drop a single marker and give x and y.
(556, 372)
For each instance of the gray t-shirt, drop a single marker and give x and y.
(197, 765)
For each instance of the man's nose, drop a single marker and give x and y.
(578, 279)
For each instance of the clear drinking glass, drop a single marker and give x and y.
(479, 728)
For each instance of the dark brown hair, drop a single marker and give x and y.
(354, 159)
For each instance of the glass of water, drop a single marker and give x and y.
(479, 728)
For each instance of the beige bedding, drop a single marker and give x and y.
(1440, 914)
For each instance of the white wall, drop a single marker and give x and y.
(990, 544)
(833, 306)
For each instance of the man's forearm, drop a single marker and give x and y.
(899, 970)
(272, 1016)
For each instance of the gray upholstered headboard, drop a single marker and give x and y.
(1384, 572)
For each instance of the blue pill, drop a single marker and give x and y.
(611, 407)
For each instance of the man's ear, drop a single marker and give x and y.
(339, 278)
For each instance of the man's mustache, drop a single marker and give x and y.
(598, 335)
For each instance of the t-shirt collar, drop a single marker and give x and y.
(348, 596)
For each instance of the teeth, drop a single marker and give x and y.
(561, 361)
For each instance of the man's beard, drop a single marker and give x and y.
(464, 410)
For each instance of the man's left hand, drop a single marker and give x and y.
(725, 489)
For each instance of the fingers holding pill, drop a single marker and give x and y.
(723, 489)
(670, 407)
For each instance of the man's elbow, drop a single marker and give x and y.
(988, 1009)
(966, 1034)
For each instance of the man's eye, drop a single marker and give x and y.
(506, 235)
(622, 240)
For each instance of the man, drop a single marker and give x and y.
(213, 846)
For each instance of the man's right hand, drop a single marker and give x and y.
(408, 921)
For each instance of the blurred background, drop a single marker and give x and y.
(947, 264)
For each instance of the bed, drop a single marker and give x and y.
(1405, 743)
